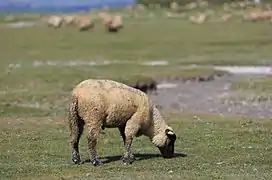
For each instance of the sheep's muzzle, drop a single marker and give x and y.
(167, 151)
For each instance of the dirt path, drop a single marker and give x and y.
(206, 97)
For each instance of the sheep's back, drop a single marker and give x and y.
(113, 101)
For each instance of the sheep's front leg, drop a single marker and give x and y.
(92, 141)
(128, 156)
(131, 129)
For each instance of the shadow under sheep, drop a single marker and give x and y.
(139, 157)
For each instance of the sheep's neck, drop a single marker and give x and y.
(158, 123)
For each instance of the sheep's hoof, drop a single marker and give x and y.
(76, 158)
(97, 162)
(128, 160)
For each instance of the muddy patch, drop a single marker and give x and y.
(152, 83)
(210, 97)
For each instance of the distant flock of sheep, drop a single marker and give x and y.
(247, 10)
(113, 23)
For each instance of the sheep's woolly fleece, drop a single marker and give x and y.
(131, 101)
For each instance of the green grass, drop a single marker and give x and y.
(174, 40)
(34, 134)
(216, 148)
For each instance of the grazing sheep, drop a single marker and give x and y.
(84, 22)
(200, 19)
(258, 16)
(104, 104)
(68, 19)
(115, 24)
(266, 15)
(54, 21)
(252, 16)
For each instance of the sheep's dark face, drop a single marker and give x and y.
(167, 151)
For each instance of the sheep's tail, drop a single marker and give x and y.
(76, 123)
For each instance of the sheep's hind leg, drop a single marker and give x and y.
(122, 133)
(75, 137)
(76, 129)
(92, 141)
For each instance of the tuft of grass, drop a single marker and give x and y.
(255, 90)
(16, 109)
(215, 147)
(19, 17)
(259, 85)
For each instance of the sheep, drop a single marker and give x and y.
(54, 21)
(266, 15)
(252, 16)
(115, 24)
(198, 20)
(258, 16)
(102, 103)
(84, 22)
(68, 19)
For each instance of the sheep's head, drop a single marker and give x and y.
(167, 143)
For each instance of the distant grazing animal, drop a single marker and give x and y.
(115, 24)
(84, 22)
(54, 21)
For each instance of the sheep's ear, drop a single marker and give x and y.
(170, 134)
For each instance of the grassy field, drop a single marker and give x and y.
(26, 85)
(215, 148)
(34, 134)
(173, 40)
